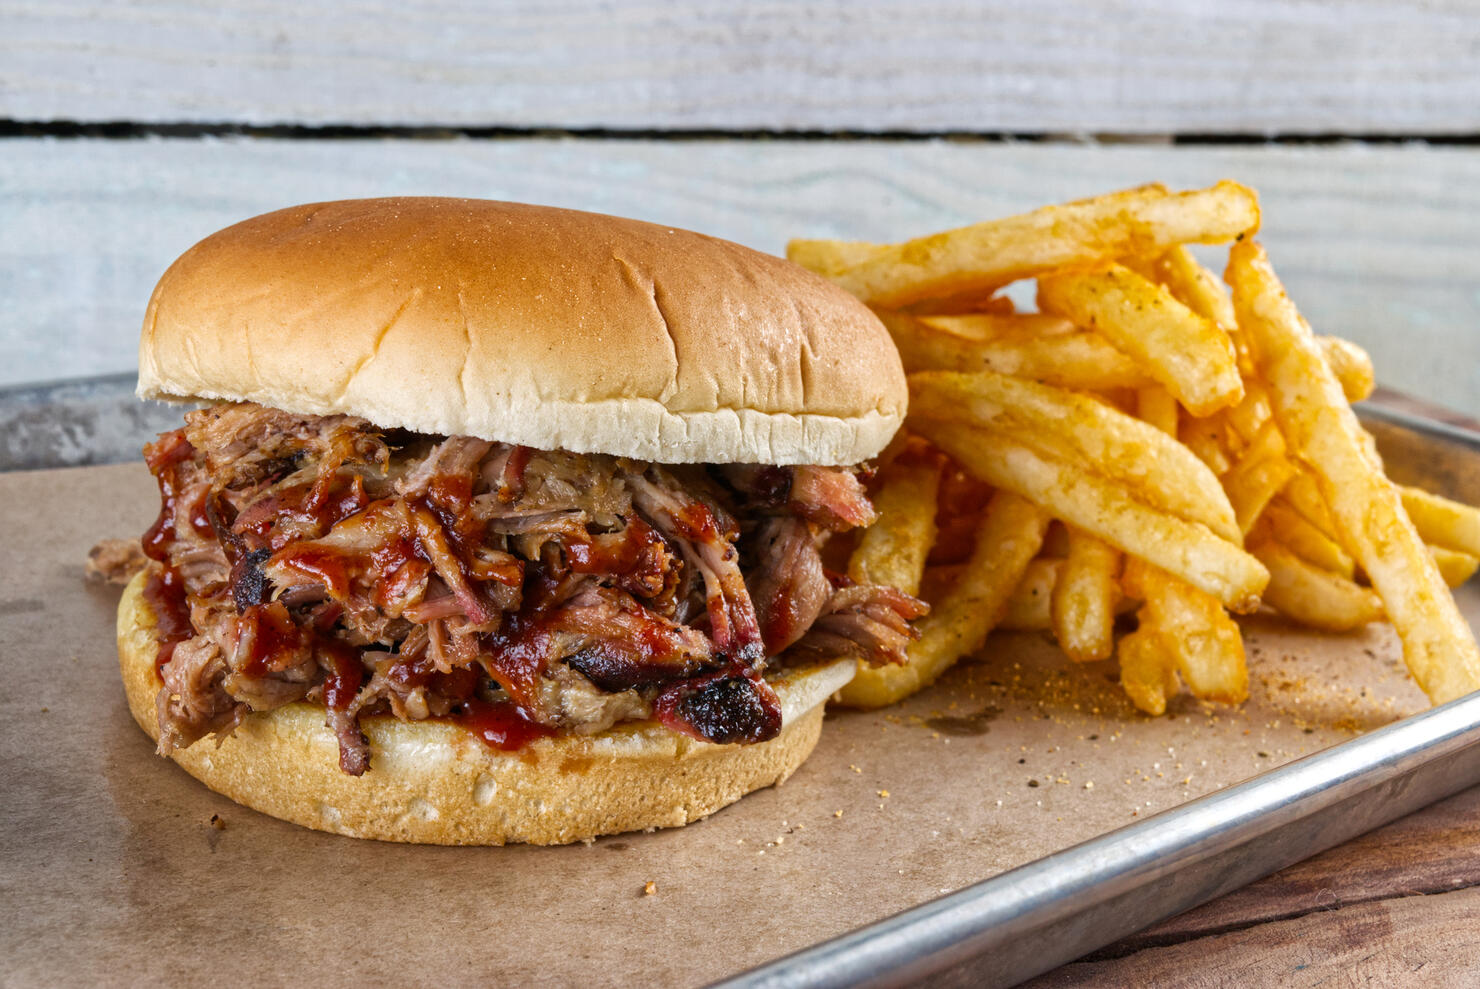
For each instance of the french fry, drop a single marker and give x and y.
(830, 258)
(1145, 675)
(1258, 477)
(1197, 637)
(892, 551)
(1107, 510)
(1311, 408)
(1189, 354)
(1304, 495)
(1204, 437)
(1067, 360)
(1289, 528)
(1078, 429)
(1442, 522)
(1084, 599)
(1007, 539)
(1028, 610)
(978, 301)
(1156, 407)
(1311, 596)
(993, 326)
(992, 254)
(1352, 366)
(1455, 567)
(1194, 286)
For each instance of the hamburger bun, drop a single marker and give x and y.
(544, 327)
(435, 783)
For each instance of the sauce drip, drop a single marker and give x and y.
(165, 594)
(502, 726)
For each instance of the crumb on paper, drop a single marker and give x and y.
(884, 793)
(837, 813)
(218, 822)
(649, 888)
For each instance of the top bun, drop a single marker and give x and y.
(524, 324)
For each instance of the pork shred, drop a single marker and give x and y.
(385, 572)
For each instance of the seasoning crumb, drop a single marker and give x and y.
(1089, 785)
(883, 793)
(855, 769)
(1032, 782)
(649, 888)
(218, 822)
(837, 813)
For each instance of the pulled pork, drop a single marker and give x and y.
(521, 591)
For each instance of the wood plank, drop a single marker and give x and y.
(1247, 66)
(1376, 243)
(1435, 850)
(1418, 940)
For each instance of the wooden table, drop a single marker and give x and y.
(759, 122)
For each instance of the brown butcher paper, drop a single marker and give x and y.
(118, 868)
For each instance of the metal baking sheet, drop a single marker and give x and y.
(988, 771)
(1038, 916)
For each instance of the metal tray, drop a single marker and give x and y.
(1036, 917)
(1040, 915)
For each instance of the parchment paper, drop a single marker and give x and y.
(113, 872)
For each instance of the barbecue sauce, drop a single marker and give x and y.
(502, 725)
(165, 594)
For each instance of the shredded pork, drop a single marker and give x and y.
(375, 572)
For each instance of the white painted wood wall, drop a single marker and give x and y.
(595, 105)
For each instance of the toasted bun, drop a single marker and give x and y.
(526, 324)
(434, 783)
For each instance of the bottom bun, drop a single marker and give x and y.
(435, 783)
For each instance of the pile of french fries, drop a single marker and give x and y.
(1151, 440)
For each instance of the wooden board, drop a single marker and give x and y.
(1245, 66)
(1376, 243)
(1410, 941)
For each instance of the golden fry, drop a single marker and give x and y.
(1315, 418)
(1189, 354)
(1204, 437)
(1007, 539)
(1156, 407)
(1078, 429)
(1289, 528)
(1304, 495)
(1352, 366)
(892, 551)
(996, 326)
(1197, 637)
(1446, 523)
(1455, 567)
(1028, 608)
(1258, 477)
(1145, 674)
(1312, 596)
(1067, 360)
(1107, 510)
(830, 257)
(991, 254)
(1084, 599)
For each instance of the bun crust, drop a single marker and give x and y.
(434, 783)
(526, 324)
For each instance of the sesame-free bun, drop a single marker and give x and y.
(546, 327)
(435, 783)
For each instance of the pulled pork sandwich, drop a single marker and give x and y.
(505, 523)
